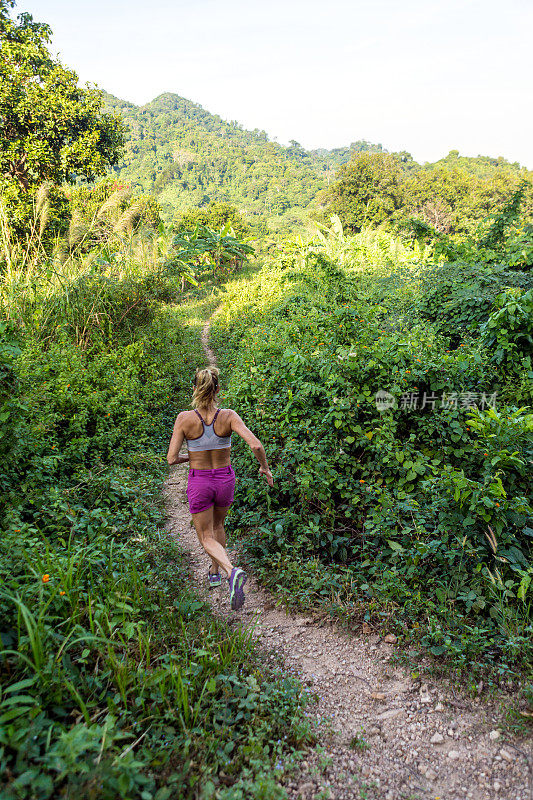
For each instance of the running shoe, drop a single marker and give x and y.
(214, 579)
(237, 579)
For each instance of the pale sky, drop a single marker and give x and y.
(426, 76)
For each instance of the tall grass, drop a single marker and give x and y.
(45, 288)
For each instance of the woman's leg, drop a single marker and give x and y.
(204, 522)
(219, 515)
(236, 586)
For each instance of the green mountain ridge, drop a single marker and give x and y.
(186, 156)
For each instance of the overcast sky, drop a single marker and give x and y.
(426, 76)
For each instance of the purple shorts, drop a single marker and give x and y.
(210, 487)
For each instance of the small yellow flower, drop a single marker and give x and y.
(62, 593)
(46, 578)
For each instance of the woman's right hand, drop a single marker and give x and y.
(268, 475)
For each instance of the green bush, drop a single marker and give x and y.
(10, 406)
(508, 332)
(115, 679)
(376, 511)
(459, 297)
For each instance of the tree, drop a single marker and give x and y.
(453, 199)
(50, 128)
(215, 216)
(296, 151)
(367, 192)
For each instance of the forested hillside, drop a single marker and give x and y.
(188, 157)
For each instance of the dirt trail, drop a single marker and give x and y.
(209, 354)
(390, 737)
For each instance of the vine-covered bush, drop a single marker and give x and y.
(508, 332)
(458, 297)
(422, 505)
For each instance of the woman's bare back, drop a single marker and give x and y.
(192, 428)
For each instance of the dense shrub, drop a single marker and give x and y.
(423, 507)
(459, 297)
(115, 679)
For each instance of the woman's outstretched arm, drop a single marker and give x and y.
(173, 455)
(255, 445)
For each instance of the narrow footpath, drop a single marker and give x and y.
(384, 735)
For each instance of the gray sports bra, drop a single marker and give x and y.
(208, 440)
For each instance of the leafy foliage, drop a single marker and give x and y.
(459, 296)
(449, 199)
(9, 406)
(367, 191)
(508, 332)
(52, 130)
(116, 681)
(205, 249)
(215, 216)
(417, 513)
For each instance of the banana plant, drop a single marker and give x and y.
(201, 249)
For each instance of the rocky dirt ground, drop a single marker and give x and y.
(383, 735)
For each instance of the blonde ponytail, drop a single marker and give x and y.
(206, 383)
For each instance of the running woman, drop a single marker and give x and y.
(207, 431)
